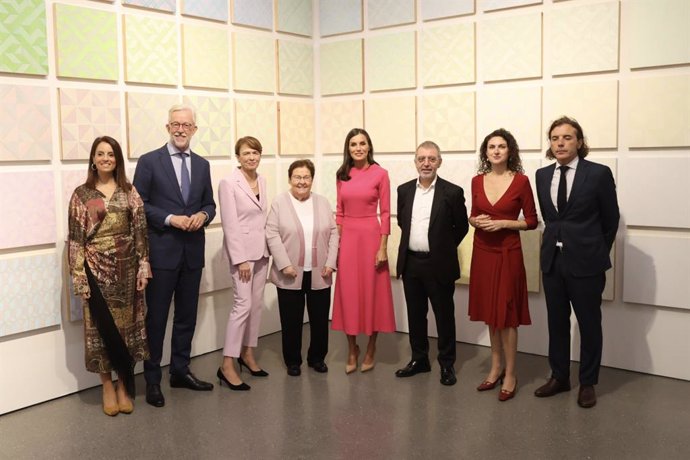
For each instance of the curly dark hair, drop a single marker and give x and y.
(565, 120)
(343, 172)
(514, 161)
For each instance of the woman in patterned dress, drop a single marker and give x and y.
(108, 259)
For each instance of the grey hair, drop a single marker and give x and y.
(180, 108)
(430, 145)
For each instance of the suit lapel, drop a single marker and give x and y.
(167, 165)
(244, 186)
(436, 204)
(579, 182)
(546, 178)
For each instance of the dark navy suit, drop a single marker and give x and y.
(176, 256)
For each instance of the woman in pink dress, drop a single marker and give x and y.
(498, 283)
(363, 301)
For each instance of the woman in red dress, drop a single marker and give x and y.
(363, 301)
(498, 284)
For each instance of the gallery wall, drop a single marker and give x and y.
(298, 75)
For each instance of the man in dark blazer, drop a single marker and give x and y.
(175, 185)
(433, 220)
(580, 211)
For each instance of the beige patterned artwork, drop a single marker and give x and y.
(295, 68)
(258, 118)
(586, 34)
(214, 119)
(325, 178)
(391, 123)
(399, 171)
(147, 115)
(390, 61)
(593, 104)
(254, 66)
(337, 119)
(510, 47)
(517, 109)
(448, 119)
(206, 66)
(447, 55)
(341, 67)
(150, 50)
(216, 273)
(296, 128)
(652, 23)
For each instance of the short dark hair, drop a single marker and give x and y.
(119, 174)
(514, 161)
(565, 120)
(251, 142)
(343, 172)
(301, 164)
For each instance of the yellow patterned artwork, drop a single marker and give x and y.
(391, 123)
(214, 119)
(447, 55)
(254, 62)
(337, 118)
(391, 61)
(448, 119)
(150, 50)
(206, 66)
(147, 115)
(295, 68)
(510, 48)
(341, 67)
(296, 128)
(517, 109)
(258, 118)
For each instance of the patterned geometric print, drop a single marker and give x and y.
(391, 124)
(84, 115)
(255, 67)
(510, 48)
(337, 118)
(339, 16)
(296, 68)
(384, 13)
(296, 128)
(491, 5)
(520, 113)
(23, 46)
(71, 180)
(652, 23)
(38, 275)
(341, 67)
(325, 176)
(86, 43)
(163, 5)
(593, 104)
(258, 118)
(391, 61)
(150, 50)
(587, 34)
(29, 197)
(206, 66)
(295, 17)
(213, 117)
(254, 13)
(447, 55)
(209, 9)
(448, 120)
(26, 126)
(435, 9)
(147, 115)
(216, 275)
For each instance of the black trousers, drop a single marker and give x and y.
(291, 307)
(584, 294)
(421, 286)
(183, 283)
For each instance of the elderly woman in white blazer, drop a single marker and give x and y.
(303, 240)
(243, 205)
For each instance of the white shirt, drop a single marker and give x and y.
(569, 178)
(305, 213)
(421, 216)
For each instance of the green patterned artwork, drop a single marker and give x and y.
(86, 43)
(23, 46)
(150, 50)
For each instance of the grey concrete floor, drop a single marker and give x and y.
(365, 416)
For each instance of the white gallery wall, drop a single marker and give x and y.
(298, 75)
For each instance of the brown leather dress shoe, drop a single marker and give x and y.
(587, 397)
(551, 387)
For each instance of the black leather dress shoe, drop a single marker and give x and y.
(189, 381)
(294, 370)
(154, 395)
(448, 376)
(587, 397)
(414, 367)
(551, 387)
(319, 367)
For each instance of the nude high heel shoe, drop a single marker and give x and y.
(350, 368)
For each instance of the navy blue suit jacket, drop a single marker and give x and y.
(157, 184)
(587, 226)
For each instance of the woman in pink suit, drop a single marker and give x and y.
(363, 300)
(243, 206)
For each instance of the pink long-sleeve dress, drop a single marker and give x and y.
(363, 301)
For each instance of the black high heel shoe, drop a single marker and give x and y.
(241, 387)
(259, 373)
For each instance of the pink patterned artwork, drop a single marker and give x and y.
(29, 197)
(25, 121)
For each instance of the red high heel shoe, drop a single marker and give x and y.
(505, 395)
(487, 385)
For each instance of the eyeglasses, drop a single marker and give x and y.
(432, 160)
(301, 178)
(185, 126)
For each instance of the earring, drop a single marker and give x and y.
(93, 166)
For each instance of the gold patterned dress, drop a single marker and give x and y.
(110, 237)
